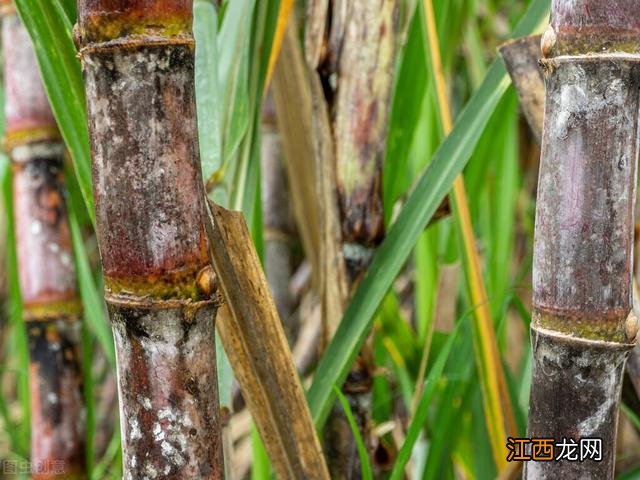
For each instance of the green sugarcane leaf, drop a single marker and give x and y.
(70, 9)
(420, 416)
(430, 190)
(88, 391)
(50, 27)
(405, 114)
(234, 47)
(632, 474)
(362, 450)
(19, 347)
(205, 31)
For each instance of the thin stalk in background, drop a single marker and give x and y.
(582, 324)
(51, 307)
(351, 50)
(430, 188)
(497, 403)
(138, 62)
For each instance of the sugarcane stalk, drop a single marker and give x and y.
(52, 310)
(582, 324)
(138, 64)
(351, 49)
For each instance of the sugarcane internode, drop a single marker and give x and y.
(582, 325)
(138, 63)
(51, 308)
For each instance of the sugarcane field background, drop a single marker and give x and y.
(319, 239)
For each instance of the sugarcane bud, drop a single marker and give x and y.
(548, 41)
(206, 281)
(632, 326)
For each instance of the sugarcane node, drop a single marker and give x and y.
(167, 287)
(609, 326)
(44, 308)
(359, 380)
(595, 26)
(138, 42)
(41, 134)
(207, 281)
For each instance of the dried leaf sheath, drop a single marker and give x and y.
(259, 354)
(138, 62)
(521, 59)
(582, 328)
(45, 262)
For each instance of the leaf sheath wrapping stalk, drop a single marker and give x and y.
(45, 261)
(149, 199)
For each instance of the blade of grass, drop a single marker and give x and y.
(234, 45)
(405, 114)
(451, 409)
(631, 415)
(50, 29)
(109, 458)
(205, 31)
(362, 450)
(20, 341)
(431, 188)
(8, 425)
(89, 397)
(498, 411)
(260, 467)
(418, 420)
(632, 474)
